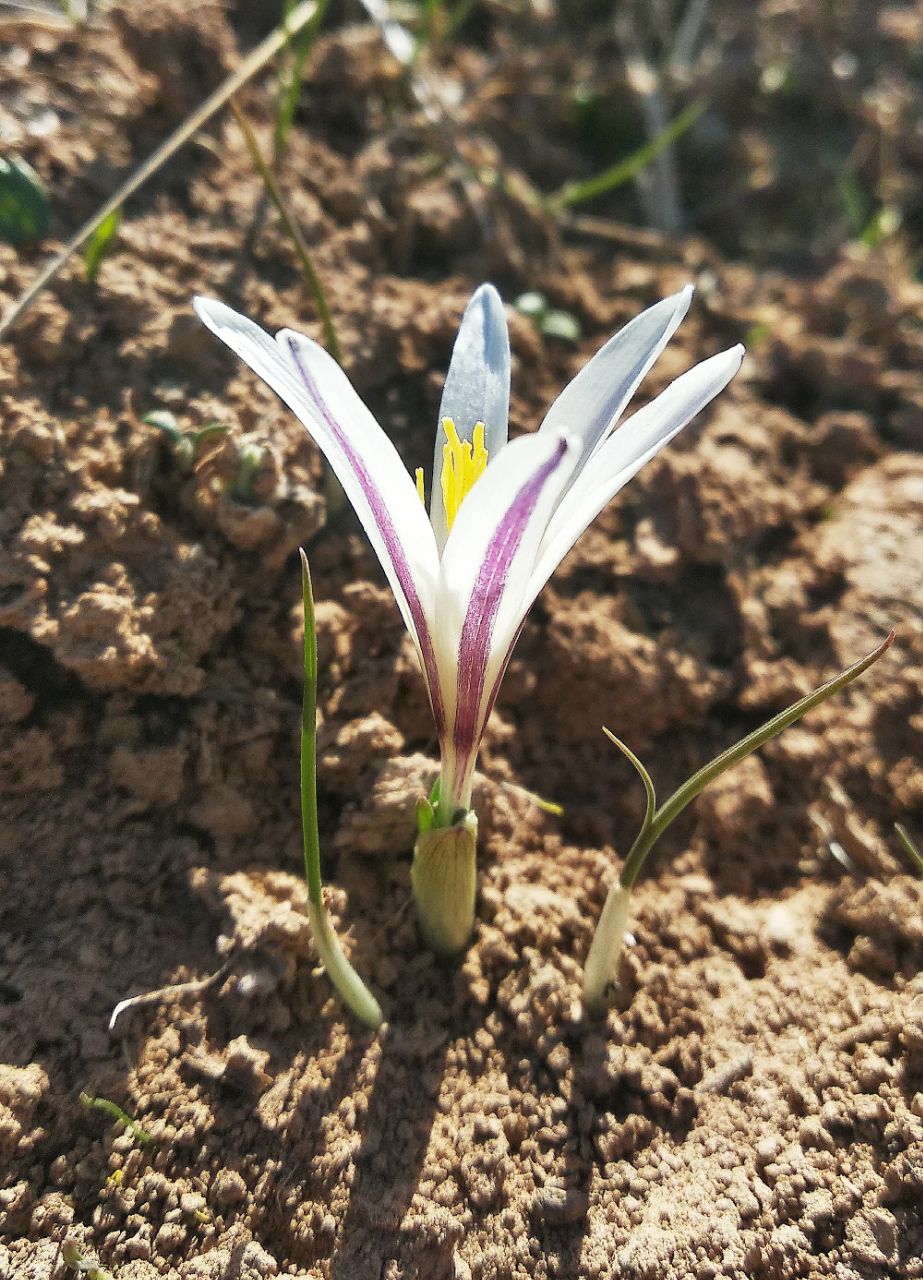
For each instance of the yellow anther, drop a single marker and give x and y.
(463, 462)
(420, 490)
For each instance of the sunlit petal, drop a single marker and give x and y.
(363, 458)
(477, 387)
(592, 403)
(485, 575)
(624, 454)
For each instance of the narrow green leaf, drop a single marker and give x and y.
(164, 421)
(309, 742)
(576, 192)
(684, 795)
(340, 972)
(292, 76)
(643, 775)
(113, 1110)
(312, 279)
(101, 242)
(911, 850)
(25, 206)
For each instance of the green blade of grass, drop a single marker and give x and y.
(301, 249)
(355, 993)
(290, 86)
(911, 850)
(577, 192)
(25, 206)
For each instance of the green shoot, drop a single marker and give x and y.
(25, 206)
(577, 192)
(75, 1260)
(604, 951)
(186, 445)
(301, 249)
(291, 75)
(343, 976)
(911, 850)
(249, 460)
(113, 1110)
(100, 243)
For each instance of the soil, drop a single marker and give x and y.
(753, 1104)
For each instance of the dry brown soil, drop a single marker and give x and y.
(753, 1105)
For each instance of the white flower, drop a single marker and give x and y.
(502, 514)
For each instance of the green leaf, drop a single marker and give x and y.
(164, 421)
(576, 192)
(560, 324)
(532, 304)
(655, 824)
(101, 242)
(208, 432)
(25, 207)
(425, 815)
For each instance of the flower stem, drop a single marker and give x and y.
(343, 976)
(603, 957)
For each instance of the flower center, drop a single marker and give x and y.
(463, 462)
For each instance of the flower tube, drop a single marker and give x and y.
(502, 515)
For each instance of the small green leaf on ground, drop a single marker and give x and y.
(101, 242)
(532, 304)
(560, 324)
(25, 206)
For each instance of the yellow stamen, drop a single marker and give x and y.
(420, 490)
(463, 462)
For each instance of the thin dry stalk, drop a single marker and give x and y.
(254, 62)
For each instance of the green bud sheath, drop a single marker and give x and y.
(444, 877)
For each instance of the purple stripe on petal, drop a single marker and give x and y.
(383, 520)
(489, 586)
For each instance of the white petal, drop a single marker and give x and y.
(477, 387)
(365, 461)
(485, 575)
(625, 453)
(592, 403)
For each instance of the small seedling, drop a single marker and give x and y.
(549, 322)
(115, 1112)
(605, 949)
(249, 460)
(186, 446)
